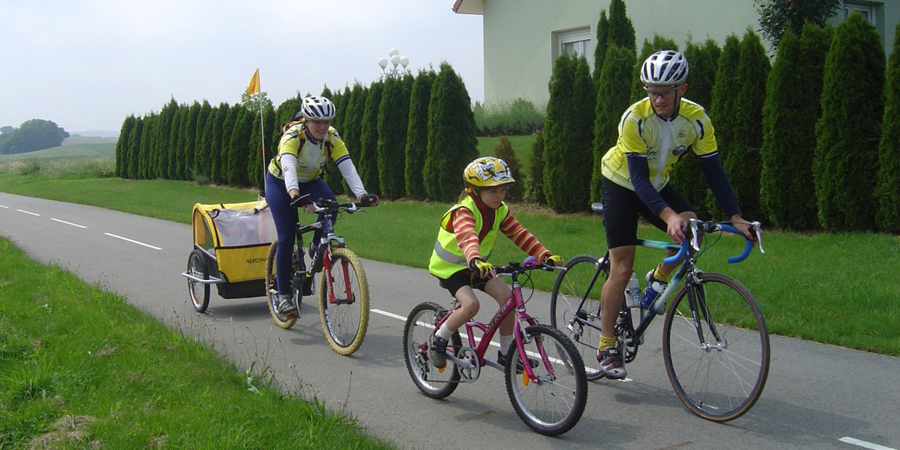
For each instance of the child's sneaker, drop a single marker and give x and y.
(611, 363)
(654, 287)
(437, 351)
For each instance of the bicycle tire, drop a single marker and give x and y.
(344, 322)
(553, 405)
(718, 383)
(282, 321)
(433, 382)
(567, 293)
(199, 292)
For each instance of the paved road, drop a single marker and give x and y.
(818, 396)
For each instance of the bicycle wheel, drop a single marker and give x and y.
(272, 292)
(199, 292)
(344, 302)
(581, 326)
(553, 403)
(433, 382)
(720, 379)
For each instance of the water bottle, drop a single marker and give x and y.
(654, 287)
(633, 292)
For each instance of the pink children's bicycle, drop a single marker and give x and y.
(545, 376)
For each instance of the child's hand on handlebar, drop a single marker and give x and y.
(483, 268)
(556, 260)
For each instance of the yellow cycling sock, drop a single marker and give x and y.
(660, 275)
(606, 342)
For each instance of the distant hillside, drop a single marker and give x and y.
(82, 139)
(96, 133)
(67, 151)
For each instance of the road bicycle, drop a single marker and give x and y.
(545, 376)
(715, 340)
(342, 286)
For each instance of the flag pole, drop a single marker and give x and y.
(254, 88)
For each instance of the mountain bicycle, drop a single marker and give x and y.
(715, 340)
(545, 376)
(342, 287)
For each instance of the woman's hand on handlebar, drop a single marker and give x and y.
(310, 206)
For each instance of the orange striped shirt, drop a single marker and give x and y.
(463, 225)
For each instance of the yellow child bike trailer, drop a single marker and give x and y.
(231, 243)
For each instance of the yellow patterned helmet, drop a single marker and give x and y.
(488, 172)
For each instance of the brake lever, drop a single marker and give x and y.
(757, 229)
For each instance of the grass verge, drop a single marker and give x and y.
(80, 368)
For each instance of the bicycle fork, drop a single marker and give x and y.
(700, 313)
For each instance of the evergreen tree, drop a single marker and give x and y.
(887, 190)
(649, 48)
(186, 141)
(134, 137)
(845, 167)
(222, 141)
(393, 118)
(352, 132)
(122, 148)
(368, 148)
(687, 176)
(504, 150)
(535, 191)
(417, 134)
(174, 158)
(742, 161)
(239, 147)
(160, 167)
(787, 194)
(569, 136)
(140, 160)
(203, 161)
(200, 149)
(612, 100)
(621, 31)
(451, 136)
(724, 111)
(602, 44)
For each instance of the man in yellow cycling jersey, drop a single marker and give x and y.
(654, 134)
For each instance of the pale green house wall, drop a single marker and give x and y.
(521, 37)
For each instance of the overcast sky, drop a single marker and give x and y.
(88, 64)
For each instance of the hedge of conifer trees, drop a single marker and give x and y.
(809, 143)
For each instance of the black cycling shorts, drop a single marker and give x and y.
(621, 207)
(460, 279)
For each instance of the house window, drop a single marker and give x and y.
(576, 43)
(867, 11)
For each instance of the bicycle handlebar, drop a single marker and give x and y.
(327, 205)
(529, 263)
(700, 226)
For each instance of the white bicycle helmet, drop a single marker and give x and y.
(317, 108)
(666, 67)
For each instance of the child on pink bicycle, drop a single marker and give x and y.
(464, 243)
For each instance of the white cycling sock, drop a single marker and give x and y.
(505, 341)
(444, 332)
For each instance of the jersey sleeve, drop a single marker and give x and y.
(630, 138)
(706, 135)
(338, 148)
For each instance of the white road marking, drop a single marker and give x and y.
(864, 444)
(67, 223)
(28, 212)
(389, 314)
(132, 241)
(4, 207)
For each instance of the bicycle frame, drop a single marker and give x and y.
(686, 272)
(515, 304)
(322, 256)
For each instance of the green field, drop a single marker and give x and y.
(82, 150)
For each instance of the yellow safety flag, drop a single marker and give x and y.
(254, 84)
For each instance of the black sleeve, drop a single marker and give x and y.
(640, 179)
(719, 184)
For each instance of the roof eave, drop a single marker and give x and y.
(469, 7)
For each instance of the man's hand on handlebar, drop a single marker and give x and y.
(744, 226)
